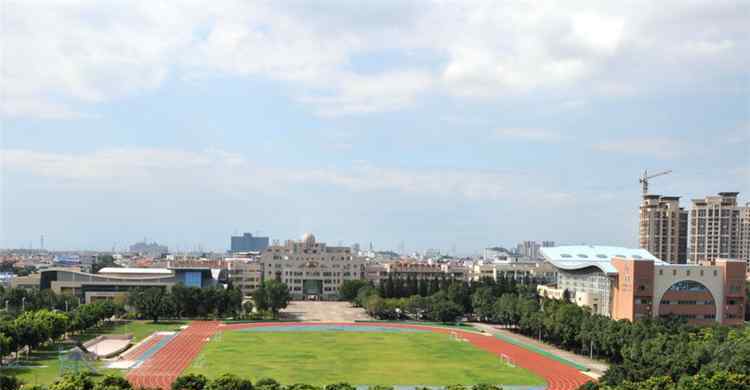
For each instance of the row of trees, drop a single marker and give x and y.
(411, 286)
(233, 382)
(721, 380)
(80, 381)
(17, 300)
(34, 328)
(182, 301)
(451, 301)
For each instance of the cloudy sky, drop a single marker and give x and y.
(432, 124)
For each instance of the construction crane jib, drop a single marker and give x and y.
(645, 177)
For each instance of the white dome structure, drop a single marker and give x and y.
(308, 238)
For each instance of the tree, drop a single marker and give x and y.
(389, 289)
(339, 386)
(152, 302)
(248, 307)
(8, 382)
(423, 287)
(349, 289)
(260, 298)
(6, 344)
(364, 294)
(303, 386)
(190, 382)
(272, 295)
(103, 261)
(230, 382)
(80, 381)
(111, 382)
(482, 301)
(460, 294)
(267, 384)
(446, 311)
(186, 300)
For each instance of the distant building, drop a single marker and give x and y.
(663, 228)
(67, 260)
(497, 253)
(719, 228)
(528, 249)
(537, 271)
(114, 283)
(548, 244)
(633, 284)
(245, 274)
(311, 269)
(418, 270)
(149, 249)
(248, 243)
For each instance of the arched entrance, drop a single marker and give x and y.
(689, 299)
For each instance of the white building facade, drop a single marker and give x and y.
(311, 270)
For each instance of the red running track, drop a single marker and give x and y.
(142, 347)
(162, 368)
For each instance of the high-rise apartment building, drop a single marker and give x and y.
(528, 249)
(745, 234)
(718, 229)
(663, 228)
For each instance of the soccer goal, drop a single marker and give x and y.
(507, 359)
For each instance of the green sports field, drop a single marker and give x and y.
(359, 358)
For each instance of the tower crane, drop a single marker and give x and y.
(645, 176)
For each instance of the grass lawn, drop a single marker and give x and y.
(359, 358)
(43, 366)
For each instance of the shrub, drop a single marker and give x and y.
(190, 382)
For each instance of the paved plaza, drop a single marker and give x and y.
(323, 311)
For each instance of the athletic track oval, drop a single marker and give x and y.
(160, 370)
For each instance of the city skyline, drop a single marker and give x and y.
(435, 125)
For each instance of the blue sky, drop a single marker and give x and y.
(429, 123)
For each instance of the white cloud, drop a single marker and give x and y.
(171, 170)
(530, 134)
(61, 56)
(654, 146)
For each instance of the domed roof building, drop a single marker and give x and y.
(311, 269)
(308, 238)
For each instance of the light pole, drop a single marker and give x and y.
(66, 305)
(23, 304)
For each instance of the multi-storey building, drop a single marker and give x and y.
(632, 284)
(745, 235)
(244, 273)
(528, 249)
(716, 229)
(311, 269)
(536, 270)
(248, 243)
(407, 269)
(663, 228)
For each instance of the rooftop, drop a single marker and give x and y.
(145, 271)
(573, 257)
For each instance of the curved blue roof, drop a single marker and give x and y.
(573, 257)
